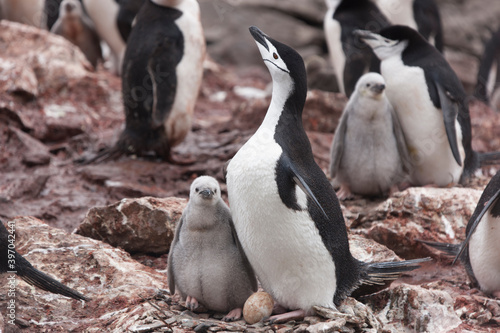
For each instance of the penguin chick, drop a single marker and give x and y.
(480, 251)
(431, 104)
(285, 211)
(206, 263)
(76, 27)
(368, 154)
(11, 261)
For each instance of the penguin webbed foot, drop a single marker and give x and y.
(344, 193)
(192, 303)
(296, 315)
(233, 315)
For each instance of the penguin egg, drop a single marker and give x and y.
(257, 307)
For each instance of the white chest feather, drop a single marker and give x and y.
(283, 246)
(422, 124)
(189, 72)
(333, 40)
(484, 252)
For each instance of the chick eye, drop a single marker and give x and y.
(275, 56)
(368, 85)
(197, 189)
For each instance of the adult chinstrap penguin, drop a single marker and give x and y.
(431, 104)
(12, 261)
(480, 251)
(285, 211)
(206, 263)
(161, 77)
(369, 154)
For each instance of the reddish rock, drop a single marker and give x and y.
(144, 225)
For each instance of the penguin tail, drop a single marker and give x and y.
(492, 158)
(378, 273)
(41, 280)
(450, 249)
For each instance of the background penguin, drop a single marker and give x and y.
(369, 154)
(104, 13)
(28, 273)
(162, 72)
(206, 263)
(126, 15)
(488, 76)
(480, 252)
(349, 57)
(431, 105)
(421, 15)
(285, 211)
(76, 27)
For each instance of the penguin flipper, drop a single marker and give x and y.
(161, 70)
(289, 169)
(170, 261)
(404, 155)
(450, 249)
(338, 144)
(474, 224)
(450, 113)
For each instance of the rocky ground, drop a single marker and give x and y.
(54, 109)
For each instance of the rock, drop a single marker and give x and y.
(327, 327)
(144, 225)
(413, 308)
(435, 214)
(257, 307)
(117, 285)
(34, 152)
(322, 111)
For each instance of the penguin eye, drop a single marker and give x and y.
(275, 56)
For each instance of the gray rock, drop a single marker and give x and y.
(144, 225)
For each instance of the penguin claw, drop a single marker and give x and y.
(285, 317)
(233, 315)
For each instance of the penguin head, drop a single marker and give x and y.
(391, 41)
(283, 62)
(371, 85)
(205, 190)
(70, 8)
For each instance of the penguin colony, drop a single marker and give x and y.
(408, 124)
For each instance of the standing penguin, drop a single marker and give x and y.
(421, 15)
(488, 76)
(349, 57)
(480, 252)
(76, 27)
(11, 261)
(285, 211)
(369, 154)
(161, 77)
(206, 263)
(431, 105)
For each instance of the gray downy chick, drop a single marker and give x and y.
(368, 154)
(206, 263)
(74, 25)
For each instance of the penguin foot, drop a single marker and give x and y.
(233, 315)
(191, 303)
(284, 317)
(344, 193)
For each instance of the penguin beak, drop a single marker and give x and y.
(207, 193)
(259, 36)
(378, 88)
